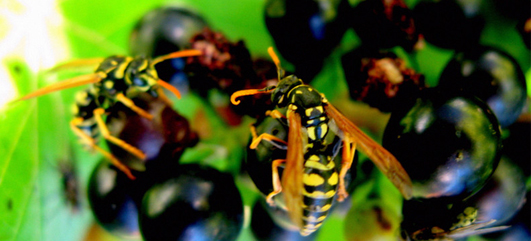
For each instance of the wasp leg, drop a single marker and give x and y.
(129, 103)
(107, 135)
(90, 141)
(349, 149)
(265, 136)
(277, 187)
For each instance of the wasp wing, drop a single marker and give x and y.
(69, 83)
(292, 184)
(383, 159)
(77, 64)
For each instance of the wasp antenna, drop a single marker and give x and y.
(276, 60)
(240, 93)
(169, 87)
(178, 54)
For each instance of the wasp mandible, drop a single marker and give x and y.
(310, 117)
(116, 79)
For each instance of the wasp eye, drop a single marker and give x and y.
(140, 82)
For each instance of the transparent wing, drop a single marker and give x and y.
(292, 184)
(383, 159)
(77, 64)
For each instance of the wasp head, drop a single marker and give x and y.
(283, 87)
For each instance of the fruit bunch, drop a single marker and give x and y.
(206, 200)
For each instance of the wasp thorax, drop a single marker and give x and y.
(284, 86)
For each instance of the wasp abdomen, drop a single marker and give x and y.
(320, 181)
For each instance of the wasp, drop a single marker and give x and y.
(310, 179)
(115, 80)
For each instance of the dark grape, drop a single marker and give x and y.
(503, 195)
(164, 30)
(493, 76)
(114, 199)
(272, 223)
(448, 144)
(384, 24)
(195, 203)
(446, 24)
(305, 32)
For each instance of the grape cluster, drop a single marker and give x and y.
(456, 137)
(208, 199)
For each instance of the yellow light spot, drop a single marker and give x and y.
(314, 158)
(298, 92)
(312, 219)
(119, 73)
(109, 84)
(319, 194)
(81, 97)
(311, 132)
(319, 108)
(334, 179)
(319, 166)
(324, 129)
(323, 118)
(75, 109)
(309, 111)
(312, 179)
(325, 208)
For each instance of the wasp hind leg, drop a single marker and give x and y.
(107, 135)
(92, 143)
(277, 187)
(349, 149)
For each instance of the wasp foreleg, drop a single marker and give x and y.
(92, 143)
(107, 135)
(268, 137)
(129, 103)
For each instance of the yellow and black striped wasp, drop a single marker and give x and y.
(116, 80)
(310, 179)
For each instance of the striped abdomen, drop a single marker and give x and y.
(320, 181)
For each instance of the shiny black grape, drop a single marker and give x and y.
(494, 205)
(164, 30)
(305, 32)
(195, 203)
(503, 195)
(272, 224)
(114, 200)
(448, 144)
(446, 24)
(493, 76)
